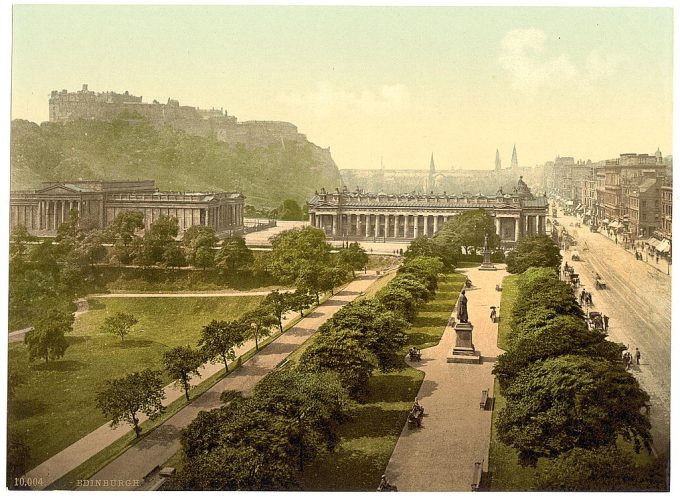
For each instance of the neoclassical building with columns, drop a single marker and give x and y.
(42, 211)
(365, 216)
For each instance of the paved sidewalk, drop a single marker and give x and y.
(455, 433)
(189, 294)
(163, 442)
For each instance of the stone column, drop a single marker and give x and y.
(517, 236)
(436, 224)
(396, 226)
(376, 226)
(367, 221)
(498, 225)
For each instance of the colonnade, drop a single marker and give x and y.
(46, 215)
(410, 225)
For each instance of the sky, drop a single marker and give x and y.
(372, 83)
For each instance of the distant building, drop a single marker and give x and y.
(513, 161)
(498, 161)
(644, 208)
(42, 211)
(666, 228)
(402, 217)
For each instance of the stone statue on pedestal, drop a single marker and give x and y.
(462, 313)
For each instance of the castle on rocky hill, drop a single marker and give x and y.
(106, 106)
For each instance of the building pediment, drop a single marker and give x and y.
(56, 189)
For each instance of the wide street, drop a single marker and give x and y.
(638, 302)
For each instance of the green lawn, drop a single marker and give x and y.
(508, 295)
(367, 441)
(55, 404)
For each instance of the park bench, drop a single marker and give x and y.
(483, 399)
(476, 476)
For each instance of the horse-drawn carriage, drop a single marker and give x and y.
(600, 284)
(575, 257)
(595, 320)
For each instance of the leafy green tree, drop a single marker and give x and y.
(563, 334)
(181, 363)
(290, 210)
(234, 257)
(119, 324)
(354, 257)
(533, 251)
(46, 339)
(400, 300)
(414, 285)
(219, 339)
(173, 256)
(572, 401)
(261, 322)
(122, 400)
(604, 468)
(295, 250)
(277, 304)
(18, 241)
(315, 402)
(380, 331)
(238, 447)
(160, 236)
(122, 232)
(199, 241)
(471, 227)
(301, 300)
(427, 268)
(343, 354)
(314, 278)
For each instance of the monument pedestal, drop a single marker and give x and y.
(487, 265)
(464, 350)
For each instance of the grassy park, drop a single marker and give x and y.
(55, 402)
(366, 442)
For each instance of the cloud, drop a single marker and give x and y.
(328, 99)
(530, 67)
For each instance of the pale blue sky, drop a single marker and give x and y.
(395, 82)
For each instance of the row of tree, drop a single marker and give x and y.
(569, 399)
(263, 441)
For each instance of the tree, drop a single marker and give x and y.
(295, 250)
(122, 400)
(199, 241)
(181, 363)
(423, 246)
(533, 251)
(261, 321)
(354, 257)
(400, 300)
(290, 210)
(220, 338)
(572, 401)
(119, 324)
(601, 469)
(46, 339)
(160, 236)
(237, 447)
(234, 257)
(471, 227)
(301, 300)
(426, 268)
(414, 285)
(341, 353)
(381, 332)
(315, 402)
(121, 232)
(563, 334)
(277, 304)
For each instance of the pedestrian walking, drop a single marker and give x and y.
(605, 318)
(637, 357)
(590, 299)
(627, 360)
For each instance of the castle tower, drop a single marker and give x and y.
(513, 162)
(498, 160)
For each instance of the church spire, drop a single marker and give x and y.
(432, 163)
(498, 160)
(513, 162)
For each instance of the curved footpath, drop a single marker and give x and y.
(455, 432)
(157, 447)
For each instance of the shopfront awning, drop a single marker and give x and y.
(664, 246)
(570, 203)
(653, 242)
(615, 225)
(605, 221)
(579, 207)
(587, 212)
